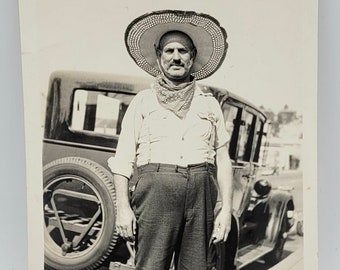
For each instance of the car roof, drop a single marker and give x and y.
(103, 81)
(71, 80)
(226, 94)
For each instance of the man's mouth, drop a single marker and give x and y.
(176, 66)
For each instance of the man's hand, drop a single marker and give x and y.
(221, 227)
(126, 223)
(125, 218)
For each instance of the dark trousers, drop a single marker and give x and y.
(174, 207)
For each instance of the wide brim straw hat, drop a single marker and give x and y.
(143, 34)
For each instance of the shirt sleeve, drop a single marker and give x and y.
(122, 163)
(221, 134)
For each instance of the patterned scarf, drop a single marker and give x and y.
(176, 98)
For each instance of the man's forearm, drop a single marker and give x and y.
(122, 190)
(224, 178)
(222, 222)
(125, 219)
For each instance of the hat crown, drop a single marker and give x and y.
(176, 36)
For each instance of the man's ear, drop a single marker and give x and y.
(158, 56)
(193, 53)
(158, 51)
(159, 63)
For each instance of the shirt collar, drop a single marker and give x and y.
(200, 92)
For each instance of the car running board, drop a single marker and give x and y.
(251, 253)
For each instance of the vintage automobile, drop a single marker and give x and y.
(83, 118)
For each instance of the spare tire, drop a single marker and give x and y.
(79, 214)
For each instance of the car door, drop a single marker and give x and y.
(240, 123)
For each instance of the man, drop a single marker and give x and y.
(174, 132)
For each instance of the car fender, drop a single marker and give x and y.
(279, 202)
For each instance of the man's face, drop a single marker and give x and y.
(176, 61)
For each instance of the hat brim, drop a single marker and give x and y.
(209, 38)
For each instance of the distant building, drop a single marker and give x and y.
(284, 154)
(286, 116)
(284, 145)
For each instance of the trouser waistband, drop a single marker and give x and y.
(163, 167)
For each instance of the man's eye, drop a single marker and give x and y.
(169, 51)
(183, 51)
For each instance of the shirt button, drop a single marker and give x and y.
(182, 138)
(181, 157)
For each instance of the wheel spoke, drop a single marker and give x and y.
(78, 195)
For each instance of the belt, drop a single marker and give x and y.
(162, 167)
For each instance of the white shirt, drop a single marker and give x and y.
(152, 134)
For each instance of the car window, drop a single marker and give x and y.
(246, 136)
(258, 140)
(99, 111)
(229, 113)
(263, 151)
(232, 117)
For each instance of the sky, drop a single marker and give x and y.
(264, 62)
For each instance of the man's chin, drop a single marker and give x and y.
(176, 77)
(178, 74)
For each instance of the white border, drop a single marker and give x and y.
(29, 12)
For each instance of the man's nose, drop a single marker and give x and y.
(176, 55)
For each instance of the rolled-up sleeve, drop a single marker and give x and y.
(222, 136)
(122, 163)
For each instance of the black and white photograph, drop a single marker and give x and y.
(170, 135)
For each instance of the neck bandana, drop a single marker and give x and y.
(176, 98)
